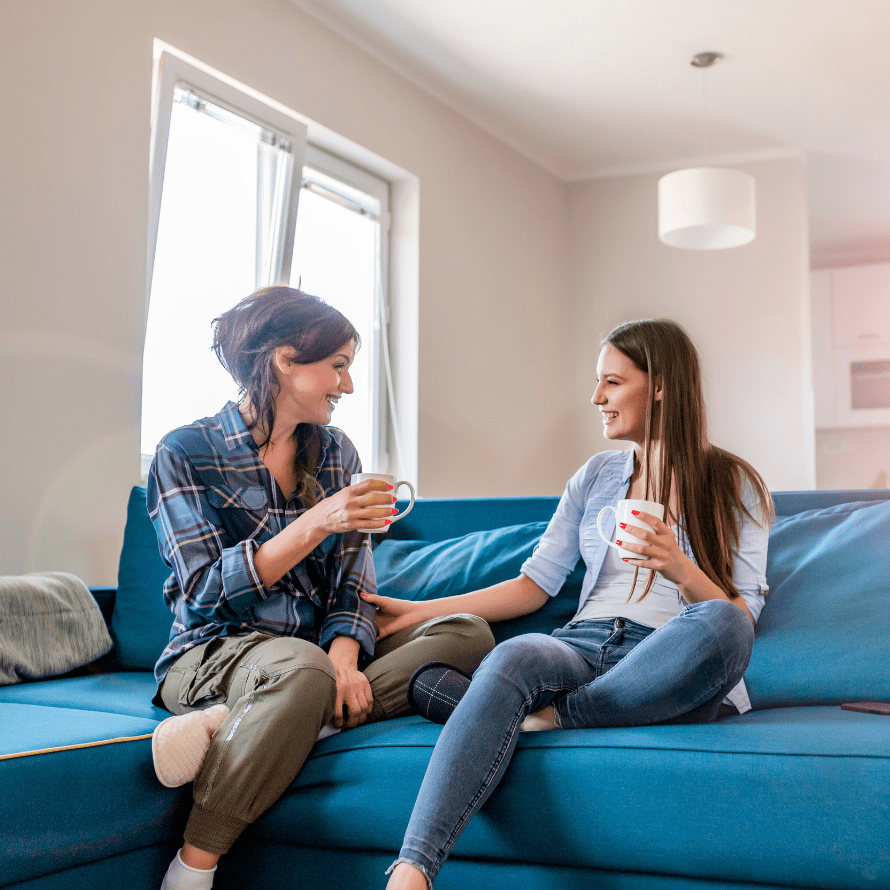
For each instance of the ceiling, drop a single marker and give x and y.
(596, 88)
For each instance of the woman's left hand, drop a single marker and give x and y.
(659, 550)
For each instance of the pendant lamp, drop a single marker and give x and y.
(706, 208)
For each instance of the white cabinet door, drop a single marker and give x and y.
(823, 347)
(862, 305)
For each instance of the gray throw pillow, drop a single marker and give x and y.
(49, 625)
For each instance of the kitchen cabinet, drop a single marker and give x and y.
(850, 329)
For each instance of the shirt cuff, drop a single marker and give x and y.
(548, 576)
(241, 582)
(348, 624)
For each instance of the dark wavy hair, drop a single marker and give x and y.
(709, 480)
(245, 339)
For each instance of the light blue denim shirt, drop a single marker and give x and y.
(572, 534)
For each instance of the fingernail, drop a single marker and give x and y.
(622, 524)
(389, 486)
(635, 512)
(387, 521)
(394, 498)
(618, 543)
(394, 511)
(623, 559)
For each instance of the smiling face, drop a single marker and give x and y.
(309, 393)
(622, 395)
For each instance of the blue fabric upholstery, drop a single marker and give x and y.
(141, 621)
(780, 797)
(123, 692)
(785, 796)
(95, 801)
(429, 570)
(824, 634)
(365, 868)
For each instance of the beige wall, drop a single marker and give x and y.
(75, 81)
(747, 310)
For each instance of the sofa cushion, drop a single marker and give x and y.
(141, 620)
(123, 692)
(824, 634)
(422, 570)
(790, 797)
(78, 786)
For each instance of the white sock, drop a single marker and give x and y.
(326, 730)
(539, 721)
(183, 877)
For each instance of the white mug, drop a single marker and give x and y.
(623, 514)
(391, 480)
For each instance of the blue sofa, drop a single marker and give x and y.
(795, 793)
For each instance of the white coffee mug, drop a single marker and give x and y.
(391, 480)
(623, 514)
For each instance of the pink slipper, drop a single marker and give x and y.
(179, 744)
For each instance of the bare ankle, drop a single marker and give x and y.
(195, 858)
(407, 877)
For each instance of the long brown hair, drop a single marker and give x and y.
(245, 339)
(709, 480)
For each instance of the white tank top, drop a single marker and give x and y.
(609, 597)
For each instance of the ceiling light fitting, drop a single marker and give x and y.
(706, 208)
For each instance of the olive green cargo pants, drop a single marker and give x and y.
(280, 692)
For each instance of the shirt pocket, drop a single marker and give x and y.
(247, 497)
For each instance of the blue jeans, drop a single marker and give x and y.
(595, 673)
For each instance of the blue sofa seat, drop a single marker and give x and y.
(116, 692)
(762, 798)
(790, 795)
(79, 788)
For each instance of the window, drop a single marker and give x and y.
(240, 201)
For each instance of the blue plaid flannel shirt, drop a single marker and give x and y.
(213, 502)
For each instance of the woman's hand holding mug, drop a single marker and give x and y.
(366, 508)
(624, 517)
(394, 485)
(640, 525)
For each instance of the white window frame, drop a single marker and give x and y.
(172, 71)
(388, 450)
(380, 373)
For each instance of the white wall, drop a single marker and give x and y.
(746, 309)
(519, 274)
(75, 84)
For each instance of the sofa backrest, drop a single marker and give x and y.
(823, 636)
(140, 620)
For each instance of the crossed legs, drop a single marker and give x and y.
(595, 674)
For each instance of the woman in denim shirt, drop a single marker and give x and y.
(662, 638)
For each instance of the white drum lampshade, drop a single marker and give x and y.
(706, 208)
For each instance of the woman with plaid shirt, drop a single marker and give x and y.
(272, 641)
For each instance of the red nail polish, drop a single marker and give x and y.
(623, 559)
(389, 486)
(394, 511)
(387, 521)
(618, 543)
(622, 524)
(635, 512)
